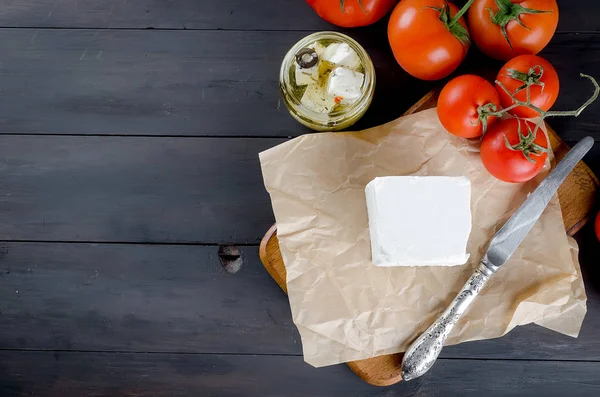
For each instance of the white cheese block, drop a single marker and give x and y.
(345, 84)
(317, 99)
(419, 220)
(341, 54)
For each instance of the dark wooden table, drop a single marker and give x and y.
(129, 134)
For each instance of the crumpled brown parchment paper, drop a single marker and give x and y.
(347, 309)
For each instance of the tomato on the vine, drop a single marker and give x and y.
(352, 13)
(427, 38)
(511, 151)
(504, 29)
(528, 71)
(463, 105)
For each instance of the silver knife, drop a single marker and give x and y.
(423, 352)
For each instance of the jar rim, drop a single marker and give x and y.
(335, 118)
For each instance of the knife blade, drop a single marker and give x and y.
(423, 352)
(508, 238)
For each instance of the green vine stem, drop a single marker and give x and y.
(460, 13)
(526, 143)
(532, 77)
(509, 11)
(483, 112)
(551, 113)
(451, 22)
(489, 109)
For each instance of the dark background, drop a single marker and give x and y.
(129, 134)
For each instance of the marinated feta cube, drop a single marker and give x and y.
(318, 47)
(342, 55)
(305, 76)
(317, 99)
(309, 75)
(344, 85)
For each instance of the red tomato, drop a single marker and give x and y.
(598, 226)
(524, 160)
(460, 103)
(543, 81)
(423, 44)
(351, 13)
(519, 29)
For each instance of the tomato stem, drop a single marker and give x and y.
(485, 111)
(452, 23)
(460, 13)
(543, 114)
(509, 11)
(578, 111)
(532, 77)
(526, 143)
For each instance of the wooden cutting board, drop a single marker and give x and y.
(577, 195)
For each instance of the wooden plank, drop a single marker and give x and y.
(173, 14)
(102, 374)
(209, 83)
(592, 159)
(123, 189)
(139, 298)
(143, 83)
(576, 15)
(164, 298)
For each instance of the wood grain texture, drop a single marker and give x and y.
(160, 14)
(119, 375)
(592, 159)
(194, 14)
(140, 298)
(577, 196)
(215, 83)
(143, 83)
(121, 189)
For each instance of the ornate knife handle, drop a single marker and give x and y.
(423, 352)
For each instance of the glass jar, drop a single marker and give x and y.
(342, 116)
